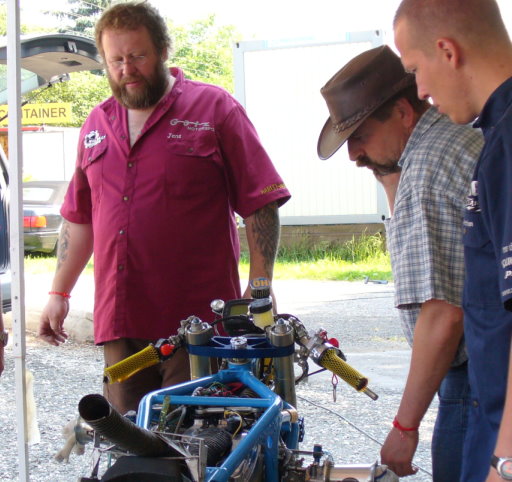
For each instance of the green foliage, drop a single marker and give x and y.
(24, 28)
(204, 51)
(358, 249)
(353, 260)
(82, 16)
(84, 90)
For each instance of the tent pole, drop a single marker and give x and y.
(16, 232)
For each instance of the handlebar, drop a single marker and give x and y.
(332, 362)
(128, 367)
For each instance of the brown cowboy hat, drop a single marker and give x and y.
(358, 90)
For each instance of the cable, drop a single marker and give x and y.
(354, 426)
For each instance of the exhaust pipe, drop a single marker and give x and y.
(108, 422)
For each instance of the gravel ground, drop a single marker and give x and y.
(359, 315)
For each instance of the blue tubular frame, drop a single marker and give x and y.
(264, 432)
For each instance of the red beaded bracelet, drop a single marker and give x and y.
(60, 293)
(397, 425)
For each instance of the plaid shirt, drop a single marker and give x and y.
(424, 234)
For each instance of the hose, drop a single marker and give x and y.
(102, 417)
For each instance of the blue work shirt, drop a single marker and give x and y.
(487, 298)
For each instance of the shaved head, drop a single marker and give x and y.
(473, 23)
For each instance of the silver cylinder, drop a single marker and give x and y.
(281, 335)
(199, 333)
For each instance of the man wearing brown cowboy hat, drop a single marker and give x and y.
(424, 163)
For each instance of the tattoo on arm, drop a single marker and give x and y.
(265, 230)
(62, 251)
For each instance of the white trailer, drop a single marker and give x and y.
(279, 82)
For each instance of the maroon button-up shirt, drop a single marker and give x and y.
(162, 211)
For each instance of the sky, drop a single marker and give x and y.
(321, 20)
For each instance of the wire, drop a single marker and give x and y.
(353, 425)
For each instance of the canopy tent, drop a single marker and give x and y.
(31, 63)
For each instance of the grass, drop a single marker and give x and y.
(350, 261)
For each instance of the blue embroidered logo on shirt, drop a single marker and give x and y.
(93, 139)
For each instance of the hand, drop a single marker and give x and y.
(51, 323)
(398, 451)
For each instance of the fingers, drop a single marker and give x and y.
(53, 338)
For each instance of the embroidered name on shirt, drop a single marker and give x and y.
(93, 139)
(272, 188)
(193, 125)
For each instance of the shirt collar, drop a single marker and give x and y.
(425, 122)
(496, 106)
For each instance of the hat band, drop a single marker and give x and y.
(343, 125)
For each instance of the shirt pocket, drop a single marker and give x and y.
(474, 234)
(92, 166)
(191, 167)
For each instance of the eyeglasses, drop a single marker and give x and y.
(136, 60)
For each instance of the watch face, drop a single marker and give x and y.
(505, 469)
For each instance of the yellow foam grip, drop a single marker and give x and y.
(332, 362)
(131, 365)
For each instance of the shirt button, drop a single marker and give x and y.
(123, 137)
(130, 164)
(190, 149)
(121, 231)
(125, 198)
(475, 403)
(120, 267)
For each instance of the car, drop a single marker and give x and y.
(45, 60)
(42, 221)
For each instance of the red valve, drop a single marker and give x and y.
(166, 350)
(334, 342)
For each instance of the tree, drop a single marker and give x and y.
(24, 28)
(204, 51)
(82, 16)
(84, 90)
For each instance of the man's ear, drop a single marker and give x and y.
(165, 54)
(405, 111)
(450, 51)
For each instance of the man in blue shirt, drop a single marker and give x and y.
(461, 54)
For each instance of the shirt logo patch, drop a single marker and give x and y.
(93, 139)
(193, 125)
(472, 203)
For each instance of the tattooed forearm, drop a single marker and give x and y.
(265, 232)
(62, 250)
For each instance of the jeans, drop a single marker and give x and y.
(451, 425)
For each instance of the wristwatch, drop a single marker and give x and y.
(503, 466)
(4, 338)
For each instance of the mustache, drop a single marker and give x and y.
(365, 161)
(127, 80)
